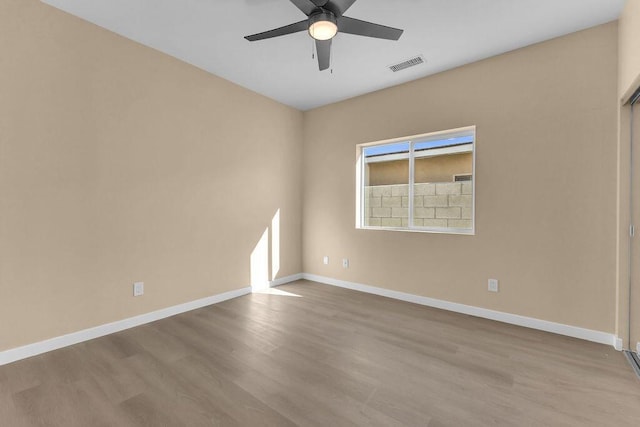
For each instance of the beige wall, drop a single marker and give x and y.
(115, 166)
(546, 133)
(116, 162)
(629, 46)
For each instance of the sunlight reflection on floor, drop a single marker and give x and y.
(274, 291)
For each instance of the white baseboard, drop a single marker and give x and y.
(29, 350)
(514, 319)
(45, 346)
(284, 280)
(34, 349)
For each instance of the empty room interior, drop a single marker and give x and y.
(319, 213)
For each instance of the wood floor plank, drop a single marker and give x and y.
(315, 355)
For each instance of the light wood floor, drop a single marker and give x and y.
(329, 357)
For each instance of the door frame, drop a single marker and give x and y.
(624, 222)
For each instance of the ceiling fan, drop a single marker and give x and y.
(325, 18)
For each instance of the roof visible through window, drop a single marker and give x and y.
(403, 147)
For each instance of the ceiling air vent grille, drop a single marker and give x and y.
(406, 64)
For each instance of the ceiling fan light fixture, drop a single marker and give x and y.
(323, 26)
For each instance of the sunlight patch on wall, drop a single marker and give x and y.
(260, 263)
(275, 245)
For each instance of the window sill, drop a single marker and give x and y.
(456, 231)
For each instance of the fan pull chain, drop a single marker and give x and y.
(331, 59)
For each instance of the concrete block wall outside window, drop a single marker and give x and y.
(441, 204)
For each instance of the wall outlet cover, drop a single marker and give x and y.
(345, 263)
(493, 285)
(138, 289)
(325, 260)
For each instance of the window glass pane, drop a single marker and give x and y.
(386, 185)
(443, 183)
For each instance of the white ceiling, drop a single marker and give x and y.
(449, 33)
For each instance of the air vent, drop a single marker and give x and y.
(406, 64)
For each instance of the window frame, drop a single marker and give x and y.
(412, 140)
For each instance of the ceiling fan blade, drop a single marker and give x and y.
(368, 29)
(287, 29)
(323, 49)
(339, 7)
(306, 6)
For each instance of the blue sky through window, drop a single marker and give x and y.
(379, 150)
(403, 147)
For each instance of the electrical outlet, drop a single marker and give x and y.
(493, 285)
(138, 289)
(345, 263)
(325, 260)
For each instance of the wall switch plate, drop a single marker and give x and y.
(138, 289)
(325, 260)
(345, 263)
(493, 285)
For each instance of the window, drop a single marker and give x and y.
(420, 183)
